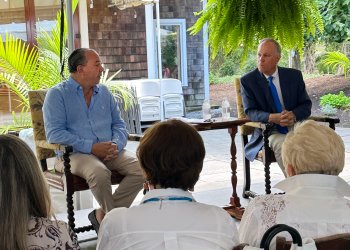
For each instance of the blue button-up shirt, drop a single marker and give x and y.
(68, 120)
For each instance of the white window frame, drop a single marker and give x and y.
(183, 46)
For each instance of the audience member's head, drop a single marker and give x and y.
(23, 192)
(313, 148)
(171, 154)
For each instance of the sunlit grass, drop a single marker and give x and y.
(213, 79)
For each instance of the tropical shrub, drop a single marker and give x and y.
(335, 60)
(321, 67)
(339, 101)
(24, 68)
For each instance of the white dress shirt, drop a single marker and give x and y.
(168, 224)
(314, 204)
(276, 82)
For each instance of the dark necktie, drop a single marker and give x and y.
(278, 105)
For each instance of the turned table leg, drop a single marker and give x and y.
(235, 209)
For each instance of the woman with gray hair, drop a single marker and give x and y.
(315, 200)
(25, 203)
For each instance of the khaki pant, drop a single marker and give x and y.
(98, 176)
(275, 143)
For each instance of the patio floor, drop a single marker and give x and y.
(214, 185)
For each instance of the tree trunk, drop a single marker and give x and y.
(296, 64)
(309, 55)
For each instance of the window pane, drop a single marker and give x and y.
(171, 51)
(45, 14)
(12, 19)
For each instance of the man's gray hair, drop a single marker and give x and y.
(277, 45)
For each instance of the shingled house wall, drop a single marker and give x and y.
(120, 39)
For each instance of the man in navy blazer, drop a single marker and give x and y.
(259, 104)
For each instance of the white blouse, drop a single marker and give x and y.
(314, 204)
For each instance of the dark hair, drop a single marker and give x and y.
(171, 153)
(77, 58)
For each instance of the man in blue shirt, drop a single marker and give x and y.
(82, 113)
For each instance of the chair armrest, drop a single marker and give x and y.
(330, 120)
(134, 137)
(261, 125)
(325, 119)
(52, 146)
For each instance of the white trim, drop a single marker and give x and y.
(159, 47)
(150, 42)
(70, 31)
(206, 57)
(83, 25)
(183, 46)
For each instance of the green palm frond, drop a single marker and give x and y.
(16, 57)
(49, 67)
(20, 121)
(51, 41)
(122, 90)
(24, 68)
(336, 60)
(18, 86)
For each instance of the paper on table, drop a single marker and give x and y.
(200, 121)
(190, 120)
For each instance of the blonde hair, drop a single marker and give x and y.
(23, 192)
(313, 148)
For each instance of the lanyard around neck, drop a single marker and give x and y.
(168, 198)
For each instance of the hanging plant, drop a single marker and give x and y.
(242, 23)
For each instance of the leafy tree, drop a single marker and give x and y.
(169, 51)
(309, 54)
(235, 23)
(335, 14)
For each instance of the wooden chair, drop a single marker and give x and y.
(332, 242)
(266, 155)
(67, 182)
(271, 233)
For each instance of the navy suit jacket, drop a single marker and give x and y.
(258, 102)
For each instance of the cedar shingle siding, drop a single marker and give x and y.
(121, 41)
